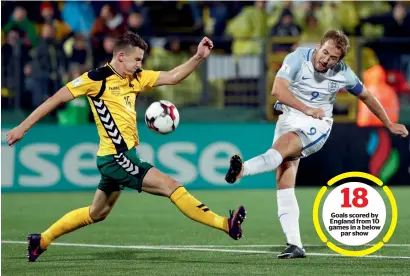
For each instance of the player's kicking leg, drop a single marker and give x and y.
(288, 209)
(295, 137)
(289, 145)
(157, 183)
(100, 208)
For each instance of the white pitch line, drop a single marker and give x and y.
(179, 248)
(270, 245)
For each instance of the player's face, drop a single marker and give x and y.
(326, 56)
(133, 60)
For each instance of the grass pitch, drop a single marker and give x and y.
(147, 235)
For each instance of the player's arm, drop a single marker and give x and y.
(87, 84)
(62, 96)
(356, 87)
(280, 90)
(367, 97)
(182, 71)
(375, 106)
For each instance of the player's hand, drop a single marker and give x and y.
(15, 135)
(205, 47)
(399, 129)
(316, 113)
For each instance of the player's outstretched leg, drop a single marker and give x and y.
(158, 183)
(235, 169)
(98, 211)
(288, 209)
(34, 249)
(37, 243)
(288, 145)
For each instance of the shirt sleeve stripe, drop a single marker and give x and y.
(357, 89)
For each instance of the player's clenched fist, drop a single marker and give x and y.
(399, 129)
(15, 135)
(316, 113)
(205, 47)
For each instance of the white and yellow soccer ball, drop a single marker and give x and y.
(162, 117)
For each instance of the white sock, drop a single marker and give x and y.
(288, 214)
(263, 163)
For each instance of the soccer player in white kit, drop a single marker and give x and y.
(306, 88)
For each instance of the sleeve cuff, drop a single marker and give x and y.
(68, 88)
(283, 76)
(357, 89)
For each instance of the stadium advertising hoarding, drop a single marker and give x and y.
(54, 158)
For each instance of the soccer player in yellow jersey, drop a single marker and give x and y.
(111, 91)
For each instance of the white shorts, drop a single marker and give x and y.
(312, 132)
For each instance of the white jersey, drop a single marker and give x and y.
(312, 88)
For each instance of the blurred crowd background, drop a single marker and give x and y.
(46, 44)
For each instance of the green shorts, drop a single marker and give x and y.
(122, 170)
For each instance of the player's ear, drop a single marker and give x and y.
(121, 56)
(318, 46)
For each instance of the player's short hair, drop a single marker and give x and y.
(339, 38)
(129, 40)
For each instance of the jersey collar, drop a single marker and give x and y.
(310, 54)
(135, 75)
(115, 72)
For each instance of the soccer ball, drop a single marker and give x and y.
(162, 117)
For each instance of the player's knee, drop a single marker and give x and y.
(171, 186)
(158, 183)
(99, 214)
(168, 185)
(289, 145)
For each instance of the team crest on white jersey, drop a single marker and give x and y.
(333, 86)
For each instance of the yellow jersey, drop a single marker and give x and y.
(112, 100)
